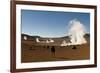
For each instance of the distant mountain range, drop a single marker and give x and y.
(34, 37)
(29, 37)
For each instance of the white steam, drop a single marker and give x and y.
(77, 31)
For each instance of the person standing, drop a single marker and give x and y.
(53, 51)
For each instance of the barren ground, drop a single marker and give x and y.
(35, 52)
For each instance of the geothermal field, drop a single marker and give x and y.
(33, 51)
(74, 46)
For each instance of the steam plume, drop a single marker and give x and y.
(76, 31)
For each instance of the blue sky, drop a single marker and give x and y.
(50, 23)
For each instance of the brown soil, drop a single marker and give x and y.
(34, 52)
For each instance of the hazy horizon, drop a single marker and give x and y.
(48, 36)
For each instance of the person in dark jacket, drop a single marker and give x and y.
(53, 50)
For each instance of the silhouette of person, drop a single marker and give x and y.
(53, 50)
